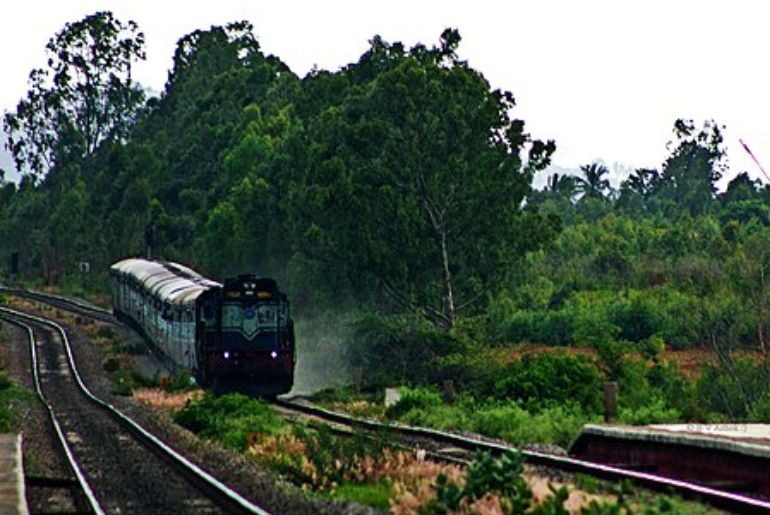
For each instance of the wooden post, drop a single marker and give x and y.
(358, 378)
(449, 391)
(610, 401)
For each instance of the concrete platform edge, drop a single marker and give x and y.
(702, 441)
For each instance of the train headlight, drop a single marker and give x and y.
(273, 354)
(227, 354)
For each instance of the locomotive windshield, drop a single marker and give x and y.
(252, 319)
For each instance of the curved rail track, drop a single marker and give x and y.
(65, 303)
(119, 466)
(720, 498)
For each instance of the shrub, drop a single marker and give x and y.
(412, 399)
(507, 420)
(553, 327)
(676, 390)
(400, 348)
(637, 315)
(229, 419)
(182, 381)
(558, 425)
(475, 371)
(552, 379)
(733, 387)
(485, 475)
(656, 412)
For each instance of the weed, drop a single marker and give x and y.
(10, 394)
(376, 495)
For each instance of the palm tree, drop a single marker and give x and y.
(592, 184)
(563, 186)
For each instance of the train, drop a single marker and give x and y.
(235, 336)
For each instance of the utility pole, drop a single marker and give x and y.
(751, 154)
(149, 239)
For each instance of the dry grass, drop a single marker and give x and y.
(409, 473)
(161, 399)
(577, 500)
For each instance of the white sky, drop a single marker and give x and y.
(605, 79)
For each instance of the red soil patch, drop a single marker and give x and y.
(690, 361)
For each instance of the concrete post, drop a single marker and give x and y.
(392, 396)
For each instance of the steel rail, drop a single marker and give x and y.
(211, 486)
(60, 301)
(719, 498)
(71, 461)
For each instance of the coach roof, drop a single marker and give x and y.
(168, 282)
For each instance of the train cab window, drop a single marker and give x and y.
(208, 312)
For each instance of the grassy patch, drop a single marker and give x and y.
(230, 419)
(126, 381)
(10, 394)
(376, 495)
(495, 418)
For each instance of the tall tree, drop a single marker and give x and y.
(695, 165)
(593, 184)
(417, 178)
(83, 97)
(564, 186)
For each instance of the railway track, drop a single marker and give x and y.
(434, 439)
(117, 466)
(65, 303)
(463, 447)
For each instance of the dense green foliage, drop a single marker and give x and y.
(396, 182)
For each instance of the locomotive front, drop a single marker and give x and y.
(255, 340)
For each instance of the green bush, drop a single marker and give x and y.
(552, 327)
(497, 419)
(760, 410)
(637, 315)
(400, 348)
(555, 327)
(676, 390)
(229, 419)
(412, 399)
(733, 387)
(558, 425)
(656, 412)
(474, 371)
(546, 379)
(501, 476)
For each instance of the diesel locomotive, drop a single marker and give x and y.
(236, 336)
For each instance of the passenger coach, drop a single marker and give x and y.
(236, 336)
